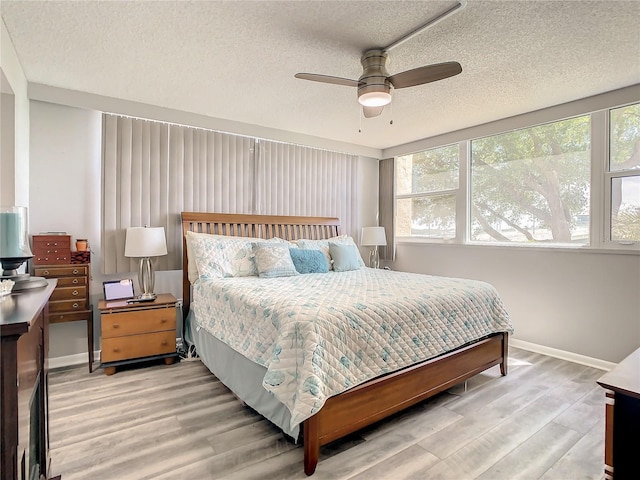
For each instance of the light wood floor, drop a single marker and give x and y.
(544, 420)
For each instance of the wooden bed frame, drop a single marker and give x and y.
(378, 398)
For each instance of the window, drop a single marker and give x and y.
(623, 177)
(426, 193)
(532, 185)
(571, 182)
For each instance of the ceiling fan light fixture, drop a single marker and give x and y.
(375, 99)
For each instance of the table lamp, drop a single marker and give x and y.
(144, 243)
(14, 248)
(373, 237)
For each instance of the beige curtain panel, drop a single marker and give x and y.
(386, 185)
(152, 171)
(297, 180)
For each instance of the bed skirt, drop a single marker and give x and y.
(242, 376)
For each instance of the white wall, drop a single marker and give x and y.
(7, 148)
(580, 302)
(65, 192)
(15, 169)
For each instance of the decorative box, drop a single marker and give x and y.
(81, 257)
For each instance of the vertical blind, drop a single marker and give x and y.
(135, 177)
(386, 183)
(297, 180)
(153, 171)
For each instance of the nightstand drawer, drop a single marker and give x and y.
(136, 346)
(141, 321)
(68, 305)
(70, 293)
(65, 271)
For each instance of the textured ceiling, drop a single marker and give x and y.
(236, 60)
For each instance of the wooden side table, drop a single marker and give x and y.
(622, 390)
(70, 300)
(137, 332)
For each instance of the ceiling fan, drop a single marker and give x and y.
(375, 85)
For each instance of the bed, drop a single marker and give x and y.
(321, 380)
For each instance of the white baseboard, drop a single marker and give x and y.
(562, 354)
(81, 358)
(72, 360)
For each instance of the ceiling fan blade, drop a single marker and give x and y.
(370, 112)
(347, 82)
(426, 74)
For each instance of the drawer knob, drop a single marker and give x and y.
(75, 280)
(164, 342)
(75, 305)
(164, 320)
(115, 325)
(46, 272)
(75, 292)
(116, 350)
(75, 271)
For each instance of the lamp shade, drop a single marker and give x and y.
(145, 242)
(373, 236)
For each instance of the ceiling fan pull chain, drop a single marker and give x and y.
(391, 113)
(360, 119)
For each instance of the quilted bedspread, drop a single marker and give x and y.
(321, 334)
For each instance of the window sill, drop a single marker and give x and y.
(620, 250)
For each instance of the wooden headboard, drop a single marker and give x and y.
(254, 226)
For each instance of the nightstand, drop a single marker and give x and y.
(137, 332)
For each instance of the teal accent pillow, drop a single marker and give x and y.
(309, 261)
(345, 257)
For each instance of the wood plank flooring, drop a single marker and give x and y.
(545, 420)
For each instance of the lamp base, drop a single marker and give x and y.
(374, 258)
(147, 297)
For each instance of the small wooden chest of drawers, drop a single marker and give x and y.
(137, 332)
(70, 300)
(51, 249)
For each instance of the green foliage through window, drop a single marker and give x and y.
(532, 185)
(426, 183)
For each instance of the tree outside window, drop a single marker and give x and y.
(532, 185)
(426, 190)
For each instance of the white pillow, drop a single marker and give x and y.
(273, 260)
(221, 256)
(323, 246)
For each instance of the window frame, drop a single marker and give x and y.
(607, 180)
(600, 189)
(459, 197)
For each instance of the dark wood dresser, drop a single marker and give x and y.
(622, 385)
(71, 300)
(24, 333)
